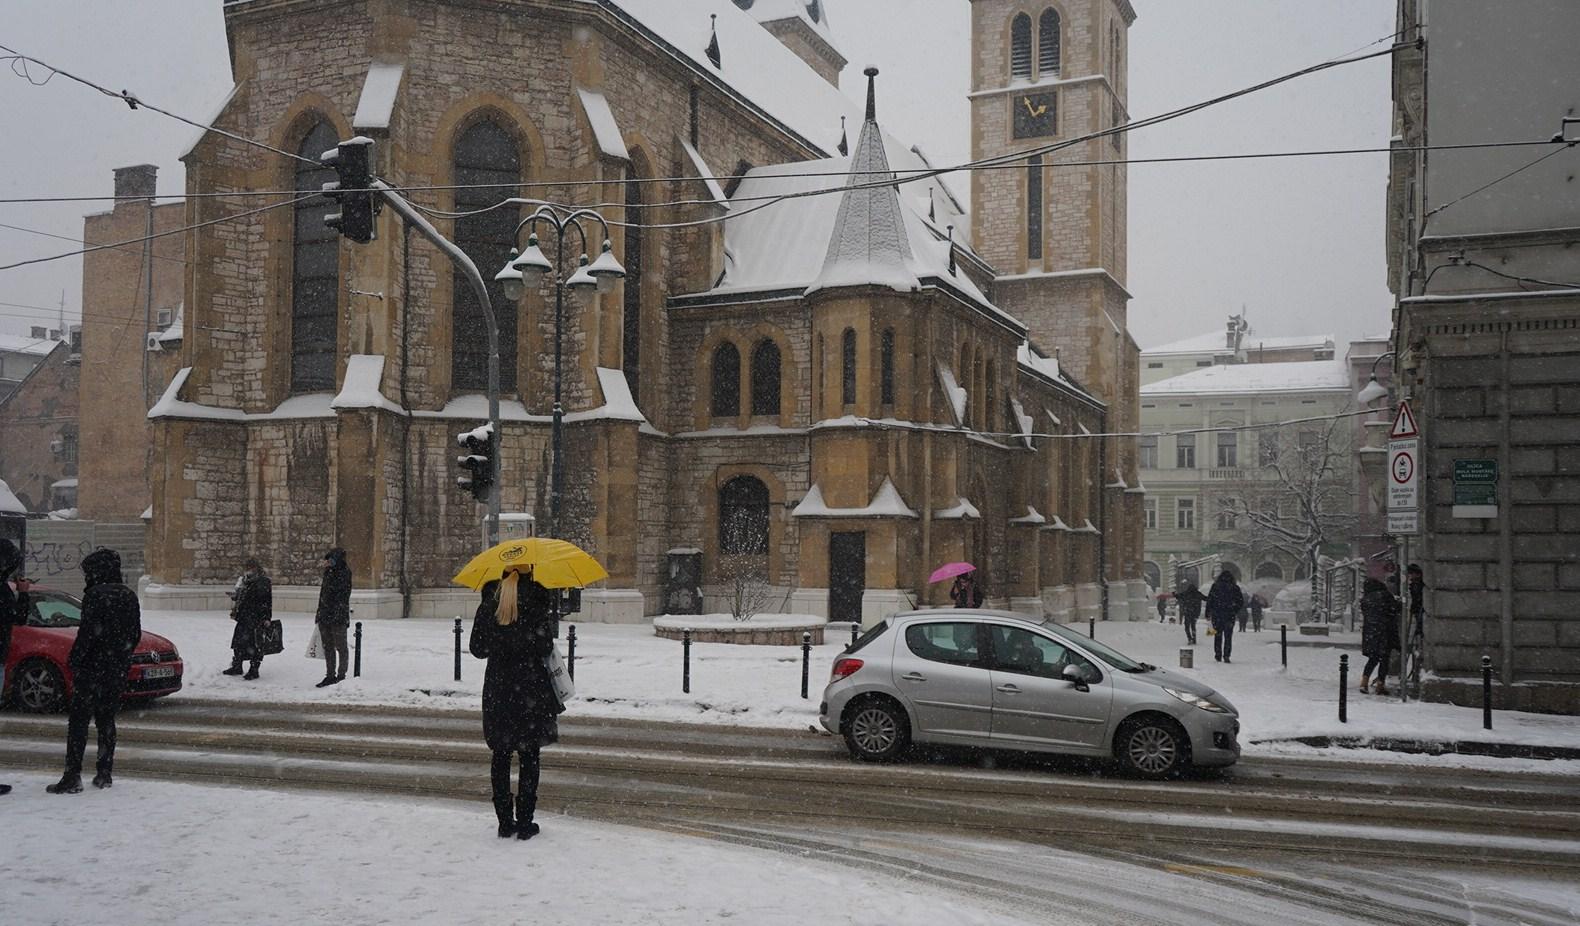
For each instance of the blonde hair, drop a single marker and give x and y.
(505, 612)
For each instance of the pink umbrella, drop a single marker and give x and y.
(949, 571)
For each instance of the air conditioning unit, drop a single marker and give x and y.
(57, 446)
(153, 341)
(164, 317)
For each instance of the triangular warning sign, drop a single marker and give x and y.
(1404, 424)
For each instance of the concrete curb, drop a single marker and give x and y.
(1432, 747)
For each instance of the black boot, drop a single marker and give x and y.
(525, 806)
(507, 823)
(5, 789)
(235, 668)
(102, 780)
(69, 783)
(328, 680)
(252, 672)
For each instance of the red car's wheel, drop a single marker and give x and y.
(39, 687)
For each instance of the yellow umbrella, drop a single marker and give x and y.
(554, 564)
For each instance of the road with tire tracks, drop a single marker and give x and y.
(1270, 840)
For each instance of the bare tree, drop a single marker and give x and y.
(745, 575)
(1299, 497)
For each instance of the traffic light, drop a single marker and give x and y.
(477, 464)
(352, 162)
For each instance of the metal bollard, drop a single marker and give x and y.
(458, 649)
(1091, 628)
(685, 660)
(1344, 688)
(356, 663)
(806, 661)
(1187, 658)
(570, 655)
(1486, 692)
(1283, 644)
(855, 632)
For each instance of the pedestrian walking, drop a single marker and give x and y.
(966, 593)
(1257, 606)
(1163, 608)
(1190, 600)
(100, 657)
(1379, 632)
(334, 615)
(514, 630)
(1244, 615)
(252, 612)
(1224, 601)
(14, 607)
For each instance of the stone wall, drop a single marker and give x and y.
(39, 430)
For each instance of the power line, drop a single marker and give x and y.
(1493, 183)
(917, 426)
(35, 231)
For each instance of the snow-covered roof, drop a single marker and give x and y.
(1032, 516)
(812, 12)
(213, 117)
(886, 503)
(1215, 342)
(605, 130)
(962, 510)
(1260, 378)
(15, 344)
(955, 393)
(9, 503)
(174, 331)
(376, 106)
(360, 389)
(708, 177)
(1292, 342)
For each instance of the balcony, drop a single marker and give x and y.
(1226, 474)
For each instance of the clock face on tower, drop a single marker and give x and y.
(1036, 114)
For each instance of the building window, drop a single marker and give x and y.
(1147, 445)
(886, 367)
(1309, 442)
(68, 446)
(1034, 207)
(1020, 47)
(1185, 514)
(1150, 507)
(743, 517)
(1226, 518)
(726, 381)
(1119, 122)
(990, 408)
(315, 272)
(487, 169)
(1154, 366)
(847, 361)
(1048, 44)
(1204, 363)
(1267, 448)
(765, 378)
(1185, 451)
(1227, 449)
(631, 353)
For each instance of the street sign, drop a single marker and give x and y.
(1404, 423)
(1475, 489)
(1482, 472)
(1404, 522)
(1404, 475)
(1475, 494)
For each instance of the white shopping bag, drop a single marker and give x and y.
(315, 645)
(564, 688)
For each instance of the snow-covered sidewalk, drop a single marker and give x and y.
(627, 671)
(179, 854)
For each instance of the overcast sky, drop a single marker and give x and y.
(1297, 242)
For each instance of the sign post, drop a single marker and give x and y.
(1404, 473)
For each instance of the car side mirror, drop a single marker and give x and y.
(1075, 675)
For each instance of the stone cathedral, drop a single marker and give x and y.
(821, 358)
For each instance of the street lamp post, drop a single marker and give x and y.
(600, 274)
(1410, 656)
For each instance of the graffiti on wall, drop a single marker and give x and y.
(52, 558)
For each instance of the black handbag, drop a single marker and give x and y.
(271, 638)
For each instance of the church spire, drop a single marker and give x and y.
(869, 245)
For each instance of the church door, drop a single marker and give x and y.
(847, 574)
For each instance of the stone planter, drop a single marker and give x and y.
(764, 630)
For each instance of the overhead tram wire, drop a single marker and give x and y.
(879, 424)
(41, 232)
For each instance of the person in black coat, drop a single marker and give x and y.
(1190, 600)
(14, 607)
(1256, 605)
(1379, 632)
(100, 658)
(334, 614)
(1224, 601)
(514, 630)
(965, 593)
(253, 610)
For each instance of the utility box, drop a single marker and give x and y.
(683, 585)
(513, 525)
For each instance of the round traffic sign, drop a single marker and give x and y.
(1403, 467)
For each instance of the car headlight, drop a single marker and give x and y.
(1195, 700)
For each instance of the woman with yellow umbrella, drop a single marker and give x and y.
(514, 631)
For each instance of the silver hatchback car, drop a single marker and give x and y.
(1012, 681)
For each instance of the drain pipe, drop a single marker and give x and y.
(405, 442)
(1102, 512)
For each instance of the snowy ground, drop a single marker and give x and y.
(188, 854)
(626, 671)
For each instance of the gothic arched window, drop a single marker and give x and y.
(765, 378)
(1048, 44)
(487, 169)
(726, 381)
(1020, 47)
(990, 407)
(743, 516)
(847, 360)
(315, 272)
(886, 367)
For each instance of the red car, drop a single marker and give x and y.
(36, 676)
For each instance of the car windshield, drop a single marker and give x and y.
(1108, 654)
(49, 611)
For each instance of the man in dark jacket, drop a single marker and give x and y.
(1256, 605)
(253, 611)
(334, 614)
(1190, 599)
(1224, 601)
(1379, 632)
(107, 635)
(14, 607)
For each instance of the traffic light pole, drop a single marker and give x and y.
(475, 279)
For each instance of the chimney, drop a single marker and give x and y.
(137, 181)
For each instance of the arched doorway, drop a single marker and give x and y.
(1270, 570)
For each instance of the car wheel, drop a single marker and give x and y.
(877, 730)
(1151, 747)
(39, 687)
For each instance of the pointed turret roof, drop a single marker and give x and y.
(869, 246)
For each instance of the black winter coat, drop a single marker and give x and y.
(254, 608)
(14, 606)
(111, 626)
(1224, 601)
(519, 705)
(1190, 602)
(1379, 620)
(334, 596)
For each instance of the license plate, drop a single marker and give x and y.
(159, 672)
